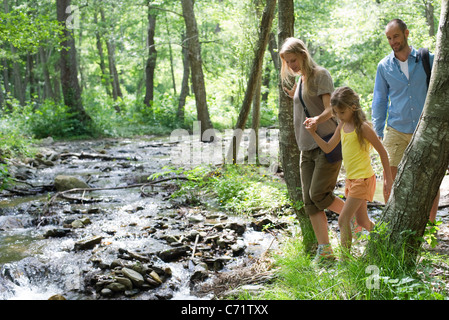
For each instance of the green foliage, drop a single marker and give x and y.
(238, 189)
(4, 176)
(352, 279)
(14, 141)
(345, 36)
(54, 120)
(26, 29)
(430, 233)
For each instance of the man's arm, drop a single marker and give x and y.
(380, 102)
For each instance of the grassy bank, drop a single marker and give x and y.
(246, 189)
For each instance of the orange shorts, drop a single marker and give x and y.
(361, 188)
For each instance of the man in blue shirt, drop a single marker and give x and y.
(400, 92)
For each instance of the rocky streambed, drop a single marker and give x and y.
(117, 237)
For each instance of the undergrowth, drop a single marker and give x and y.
(244, 189)
(234, 188)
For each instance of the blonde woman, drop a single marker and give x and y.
(318, 175)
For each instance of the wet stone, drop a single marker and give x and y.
(173, 254)
(136, 278)
(57, 233)
(89, 243)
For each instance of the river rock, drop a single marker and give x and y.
(196, 218)
(9, 223)
(105, 292)
(77, 224)
(89, 243)
(156, 277)
(57, 233)
(173, 254)
(135, 277)
(258, 225)
(239, 228)
(57, 297)
(63, 183)
(21, 172)
(116, 287)
(126, 282)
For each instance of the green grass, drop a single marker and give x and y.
(299, 278)
(244, 189)
(235, 188)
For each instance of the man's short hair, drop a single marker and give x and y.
(401, 24)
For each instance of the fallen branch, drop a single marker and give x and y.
(83, 155)
(63, 194)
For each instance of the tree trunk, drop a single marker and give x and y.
(69, 74)
(30, 76)
(151, 61)
(254, 79)
(19, 91)
(6, 76)
(422, 168)
(48, 90)
(2, 96)
(113, 74)
(288, 148)
(195, 61)
(429, 11)
(253, 150)
(99, 42)
(184, 85)
(170, 50)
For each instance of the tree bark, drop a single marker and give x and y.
(48, 90)
(422, 168)
(110, 46)
(69, 71)
(195, 61)
(99, 43)
(254, 79)
(288, 148)
(429, 13)
(151, 61)
(184, 85)
(170, 50)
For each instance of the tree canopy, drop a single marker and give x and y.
(112, 42)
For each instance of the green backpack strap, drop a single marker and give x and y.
(424, 54)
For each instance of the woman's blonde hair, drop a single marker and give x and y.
(343, 98)
(308, 65)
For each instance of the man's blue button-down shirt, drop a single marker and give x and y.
(399, 100)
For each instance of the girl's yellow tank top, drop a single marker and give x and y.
(356, 160)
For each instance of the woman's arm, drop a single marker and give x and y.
(325, 146)
(326, 114)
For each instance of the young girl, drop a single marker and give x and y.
(357, 137)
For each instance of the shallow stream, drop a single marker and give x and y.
(34, 265)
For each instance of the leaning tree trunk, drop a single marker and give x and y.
(422, 168)
(69, 72)
(289, 152)
(256, 70)
(195, 60)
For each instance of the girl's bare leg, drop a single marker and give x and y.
(361, 216)
(344, 220)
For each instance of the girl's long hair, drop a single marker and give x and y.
(308, 65)
(343, 98)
